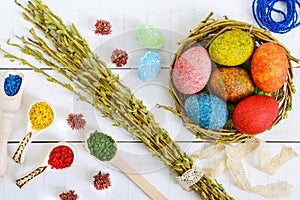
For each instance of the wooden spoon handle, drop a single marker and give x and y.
(28, 177)
(3, 157)
(18, 155)
(5, 131)
(139, 180)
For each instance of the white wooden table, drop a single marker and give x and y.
(175, 16)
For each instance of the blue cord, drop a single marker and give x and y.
(262, 11)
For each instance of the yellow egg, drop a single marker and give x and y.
(231, 48)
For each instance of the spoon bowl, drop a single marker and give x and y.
(112, 146)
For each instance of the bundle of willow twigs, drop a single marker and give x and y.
(204, 34)
(63, 49)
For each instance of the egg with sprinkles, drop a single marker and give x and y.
(206, 110)
(269, 67)
(192, 70)
(231, 83)
(231, 48)
(255, 114)
(149, 37)
(149, 66)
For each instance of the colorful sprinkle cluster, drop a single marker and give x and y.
(76, 121)
(12, 84)
(61, 157)
(101, 146)
(103, 27)
(101, 181)
(70, 195)
(41, 115)
(119, 57)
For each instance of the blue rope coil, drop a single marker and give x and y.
(263, 9)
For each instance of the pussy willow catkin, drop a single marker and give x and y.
(41, 115)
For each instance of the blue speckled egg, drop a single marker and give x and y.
(206, 110)
(149, 66)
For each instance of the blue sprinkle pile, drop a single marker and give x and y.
(12, 84)
(206, 110)
(263, 10)
(149, 66)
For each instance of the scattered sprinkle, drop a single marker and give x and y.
(101, 181)
(76, 121)
(103, 27)
(119, 57)
(70, 195)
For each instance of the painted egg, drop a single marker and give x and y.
(231, 48)
(206, 110)
(149, 37)
(255, 114)
(231, 83)
(149, 66)
(269, 67)
(192, 70)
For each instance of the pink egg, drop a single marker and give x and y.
(192, 70)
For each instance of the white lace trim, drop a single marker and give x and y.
(232, 161)
(190, 177)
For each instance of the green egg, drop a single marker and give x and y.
(149, 37)
(231, 48)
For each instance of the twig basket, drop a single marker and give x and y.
(204, 34)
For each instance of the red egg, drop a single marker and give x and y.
(192, 70)
(255, 114)
(269, 67)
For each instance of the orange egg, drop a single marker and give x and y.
(269, 67)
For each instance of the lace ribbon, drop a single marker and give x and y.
(232, 162)
(190, 177)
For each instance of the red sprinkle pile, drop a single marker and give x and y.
(61, 157)
(101, 181)
(103, 27)
(119, 57)
(76, 121)
(70, 195)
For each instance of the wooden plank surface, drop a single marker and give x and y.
(177, 18)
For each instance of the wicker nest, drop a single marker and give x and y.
(204, 34)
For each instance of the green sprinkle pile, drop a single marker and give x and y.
(101, 146)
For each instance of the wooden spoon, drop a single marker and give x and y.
(129, 171)
(9, 104)
(45, 166)
(18, 155)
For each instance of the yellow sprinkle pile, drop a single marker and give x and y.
(41, 115)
